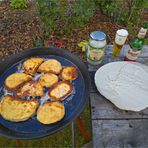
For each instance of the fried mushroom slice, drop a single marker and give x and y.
(31, 65)
(0, 107)
(50, 65)
(60, 90)
(50, 112)
(31, 89)
(48, 79)
(17, 110)
(69, 73)
(15, 80)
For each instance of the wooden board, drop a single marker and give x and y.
(143, 57)
(112, 127)
(120, 133)
(144, 52)
(93, 86)
(101, 108)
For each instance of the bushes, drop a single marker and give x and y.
(61, 16)
(125, 12)
(18, 4)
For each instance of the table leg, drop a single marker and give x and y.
(18, 144)
(81, 127)
(73, 135)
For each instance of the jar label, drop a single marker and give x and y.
(95, 54)
(120, 40)
(142, 33)
(132, 54)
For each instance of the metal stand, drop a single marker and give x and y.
(81, 128)
(18, 143)
(73, 134)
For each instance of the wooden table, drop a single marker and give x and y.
(112, 127)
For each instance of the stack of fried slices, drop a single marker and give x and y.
(53, 77)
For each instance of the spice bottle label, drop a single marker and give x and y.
(132, 54)
(142, 33)
(95, 54)
(120, 40)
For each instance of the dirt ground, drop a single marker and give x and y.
(19, 28)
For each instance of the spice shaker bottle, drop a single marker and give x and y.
(121, 36)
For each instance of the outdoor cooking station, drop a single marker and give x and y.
(110, 125)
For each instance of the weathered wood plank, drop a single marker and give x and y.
(93, 86)
(101, 108)
(120, 133)
(92, 69)
(110, 129)
(144, 51)
(143, 58)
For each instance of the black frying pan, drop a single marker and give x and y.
(74, 103)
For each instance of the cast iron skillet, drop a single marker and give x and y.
(74, 104)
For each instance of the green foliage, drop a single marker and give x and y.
(146, 41)
(18, 4)
(108, 7)
(146, 4)
(38, 41)
(127, 12)
(136, 11)
(61, 16)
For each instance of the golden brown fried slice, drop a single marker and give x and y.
(50, 112)
(48, 79)
(69, 73)
(31, 89)
(0, 107)
(16, 110)
(15, 80)
(60, 90)
(50, 65)
(31, 65)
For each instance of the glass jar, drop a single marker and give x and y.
(96, 47)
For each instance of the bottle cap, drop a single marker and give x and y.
(98, 35)
(122, 32)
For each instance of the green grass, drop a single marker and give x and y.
(146, 4)
(146, 41)
(60, 139)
